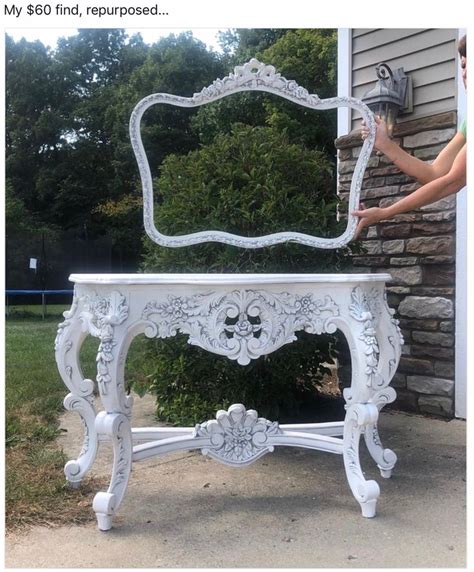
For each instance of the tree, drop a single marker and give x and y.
(33, 123)
(175, 64)
(241, 44)
(60, 152)
(92, 58)
(69, 158)
(308, 56)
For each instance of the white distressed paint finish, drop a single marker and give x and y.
(223, 279)
(239, 316)
(242, 319)
(252, 76)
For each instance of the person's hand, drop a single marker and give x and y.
(367, 217)
(381, 133)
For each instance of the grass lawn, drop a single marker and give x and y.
(36, 489)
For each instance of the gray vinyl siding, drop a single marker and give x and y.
(429, 56)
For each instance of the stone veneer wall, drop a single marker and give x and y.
(418, 250)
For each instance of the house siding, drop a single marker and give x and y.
(428, 56)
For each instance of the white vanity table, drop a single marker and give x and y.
(240, 316)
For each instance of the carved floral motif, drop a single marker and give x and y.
(237, 436)
(252, 75)
(100, 315)
(365, 308)
(242, 324)
(76, 404)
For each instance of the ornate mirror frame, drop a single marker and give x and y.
(252, 76)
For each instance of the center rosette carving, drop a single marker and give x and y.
(242, 324)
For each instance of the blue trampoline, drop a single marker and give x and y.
(42, 293)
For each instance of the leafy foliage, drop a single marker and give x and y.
(310, 58)
(191, 385)
(69, 158)
(251, 181)
(307, 56)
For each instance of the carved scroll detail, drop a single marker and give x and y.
(242, 324)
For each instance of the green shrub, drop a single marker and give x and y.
(252, 181)
(192, 384)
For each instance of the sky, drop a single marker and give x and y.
(49, 36)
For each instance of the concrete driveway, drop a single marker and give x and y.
(291, 509)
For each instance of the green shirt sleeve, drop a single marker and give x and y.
(463, 128)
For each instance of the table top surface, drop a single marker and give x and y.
(223, 279)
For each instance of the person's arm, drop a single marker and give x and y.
(423, 171)
(447, 184)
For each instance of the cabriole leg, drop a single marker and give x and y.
(69, 340)
(386, 459)
(105, 315)
(117, 427)
(358, 416)
(390, 341)
(75, 470)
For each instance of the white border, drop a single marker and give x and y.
(460, 358)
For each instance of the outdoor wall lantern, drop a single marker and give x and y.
(389, 95)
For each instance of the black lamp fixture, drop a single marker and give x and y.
(389, 95)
